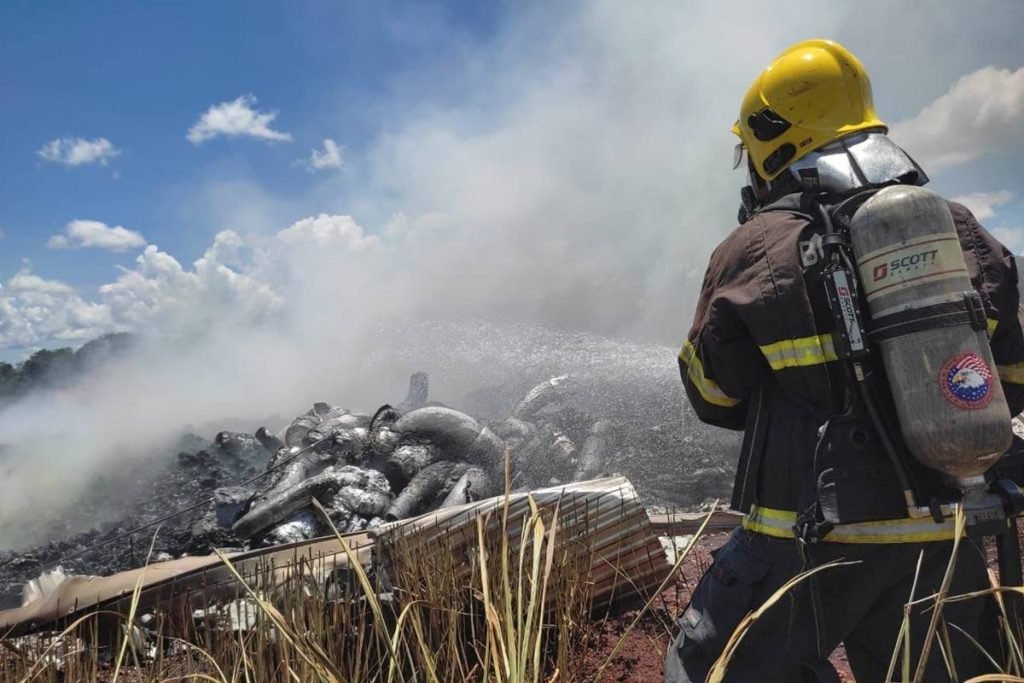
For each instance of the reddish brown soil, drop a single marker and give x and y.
(639, 659)
(641, 655)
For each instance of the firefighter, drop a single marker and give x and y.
(760, 357)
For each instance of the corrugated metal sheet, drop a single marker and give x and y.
(600, 524)
(602, 532)
(178, 585)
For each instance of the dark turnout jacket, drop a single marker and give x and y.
(760, 355)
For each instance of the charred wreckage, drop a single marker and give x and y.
(258, 489)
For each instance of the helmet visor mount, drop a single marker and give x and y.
(738, 154)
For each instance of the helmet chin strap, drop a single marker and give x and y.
(753, 194)
(760, 192)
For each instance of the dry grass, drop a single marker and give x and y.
(512, 606)
(514, 609)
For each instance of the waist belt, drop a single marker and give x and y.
(779, 523)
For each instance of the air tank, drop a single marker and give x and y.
(944, 383)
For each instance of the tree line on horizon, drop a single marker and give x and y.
(55, 368)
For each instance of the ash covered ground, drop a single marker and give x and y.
(579, 409)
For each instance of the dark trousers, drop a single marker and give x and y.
(860, 605)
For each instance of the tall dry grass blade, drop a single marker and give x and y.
(904, 638)
(904, 635)
(947, 579)
(396, 636)
(995, 590)
(517, 604)
(978, 646)
(246, 661)
(130, 622)
(995, 678)
(12, 648)
(671, 575)
(324, 669)
(946, 650)
(531, 608)
(369, 592)
(191, 647)
(56, 640)
(717, 674)
(1014, 654)
(549, 563)
(425, 652)
(495, 644)
(506, 593)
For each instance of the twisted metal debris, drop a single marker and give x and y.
(368, 469)
(400, 462)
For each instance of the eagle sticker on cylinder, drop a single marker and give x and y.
(966, 381)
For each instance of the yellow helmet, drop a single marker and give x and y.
(812, 94)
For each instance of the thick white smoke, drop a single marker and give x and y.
(579, 186)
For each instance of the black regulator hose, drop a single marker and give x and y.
(866, 396)
(839, 245)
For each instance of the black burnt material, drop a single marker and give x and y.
(250, 490)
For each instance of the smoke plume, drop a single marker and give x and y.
(551, 209)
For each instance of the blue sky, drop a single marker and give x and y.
(539, 134)
(140, 74)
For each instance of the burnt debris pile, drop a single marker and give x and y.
(401, 461)
(248, 490)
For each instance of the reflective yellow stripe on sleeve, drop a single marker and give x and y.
(819, 349)
(709, 391)
(802, 352)
(779, 523)
(1011, 374)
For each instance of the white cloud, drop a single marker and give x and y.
(328, 157)
(983, 204)
(58, 242)
(233, 119)
(241, 279)
(78, 151)
(326, 231)
(981, 113)
(28, 284)
(34, 309)
(160, 294)
(1012, 238)
(81, 234)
